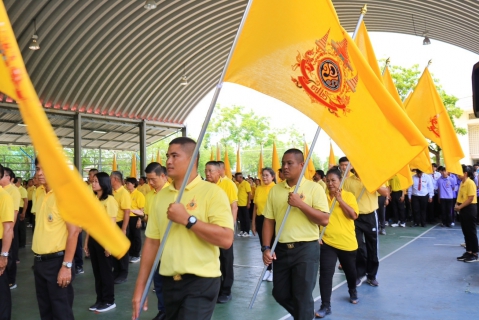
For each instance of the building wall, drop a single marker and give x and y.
(470, 141)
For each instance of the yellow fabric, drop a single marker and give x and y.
(229, 188)
(297, 227)
(422, 162)
(227, 165)
(340, 232)
(275, 163)
(186, 253)
(368, 202)
(6, 209)
(144, 189)
(158, 157)
(122, 196)
(30, 193)
(133, 166)
(15, 194)
(261, 196)
(365, 46)
(111, 206)
(260, 164)
(395, 183)
(390, 86)
(51, 231)
(310, 170)
(467, 189)
(332, 158)
(218, 152)
(114, 165)
(275, 55)
(76, 203)
(149, 198)
(23, 195)
(322, 184)
(243, 188)
(212, 158)
(137, 201)
(238, 160)
(426, 110)
(38, 198)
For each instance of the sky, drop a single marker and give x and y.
(450, 64)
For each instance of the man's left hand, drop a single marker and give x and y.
(177, 213)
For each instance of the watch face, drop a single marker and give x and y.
(192, 219)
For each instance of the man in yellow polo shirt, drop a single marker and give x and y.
(30, 192)
(37, 199)
(212, 174)
(318, 177)
(366, 225)
(134, 225)
(202, 223)
(6, 236)
(54, 243)
(122, 196)
(22, 226)
(296, 258)
(244, 201)
(397, 202)
(143, 186)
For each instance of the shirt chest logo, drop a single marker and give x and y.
(302, 196)
(50, 217)
(192, 205)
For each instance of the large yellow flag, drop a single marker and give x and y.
(426, 110)
(158, 157)
(114, 166)
(75, 201)
(332, 158)
(365, 46)
(133, 166)
(275, 164)
(310, 170)
(298, 52)
(260, 164)
(238, 160)
(227, 165)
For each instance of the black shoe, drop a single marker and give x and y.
(372, 282)
(93, 307)
(79, 270)
(461, 258)
(160, 316)
(471, 258)
(224, 298)
(105, 307)
(120, 280)
(323, 312)
(359, 282)
(353, 296)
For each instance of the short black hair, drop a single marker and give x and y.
(156, 168)
(36, 161)
(296, 152)
(468, 170)
(9, 172)
(1, 171)
(185, 141)
(93, 170)
(118, 175)
(238, 174)
(213, 163)
(133, 181)
(434, 165)
(335, 170)
(343, 159)
(321, 173)
(105, 185)
(418, 171)
(441, 169)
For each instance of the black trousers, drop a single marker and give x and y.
(28, 215)
(243, 216)
(12, 262)
(295, 274)
(259, 229)
(158, 284)
(54, 302)
(398, 208)
(446, 206)
(120, 266)
(367, 261)
(468, 216)
(135, 237)
(227, 273)
(431, 209)
(79, 251)
(327, 264)
(381, 212)
(192, 297)
(419, 208)
(5, 295)
(101, 266)
(22, 232)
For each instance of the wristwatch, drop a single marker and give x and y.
(191, 221)
(67, 264)
(4, 254)
(264, 248)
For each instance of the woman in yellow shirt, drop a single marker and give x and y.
(260, 198)
(99, 257)
(339, 242)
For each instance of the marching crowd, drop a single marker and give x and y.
(196, 268)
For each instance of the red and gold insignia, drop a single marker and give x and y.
(327, 74)
(192, 205)
(433, 121)
(302, 196)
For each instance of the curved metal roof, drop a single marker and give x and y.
(117, 59)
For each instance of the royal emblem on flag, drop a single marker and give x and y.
(327, 74)
(434, 126)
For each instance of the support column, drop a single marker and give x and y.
(99, 161)
(77, 161)
(183, 132)
(142, 147)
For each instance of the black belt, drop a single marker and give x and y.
(179, 277)
(43, 257)
(292, 245)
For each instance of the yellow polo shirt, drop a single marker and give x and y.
(322, 184)
(111, 206)
(340, 232)
(185, 252)
(6, 209)
(15, 194)
(467, 189)
(144, 189)
(51, 231)
(243, 189)
(137, 201)
(38, 198)
(30, 192)
(297, 227)
(150, 197)
(122, 197)
(395, 184)
(230, 188)
(368, 202)
(261, 196)
(23, 195)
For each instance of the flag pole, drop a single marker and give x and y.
(273, 247)
(386, 66)
(195, 153)
(364, 9)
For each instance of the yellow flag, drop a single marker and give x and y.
(227, 165)
(365, 46)
(275, 165)
(212, 157)
(158, 157)
(133, 166)
(426, 110)
(390, 86)
(332, 158)
(298, 53)
(114, 166)
(152, 160)
(260, 163)
(218, 152)
(238, 160)
(75, 201)
(310, 170)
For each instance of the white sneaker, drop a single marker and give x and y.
(240, 234)
(270, 278)
(452, 224)
(463, 244)
(402, 225)
(246, 234)
(394, 225)
(266, 275)
(386, 224)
